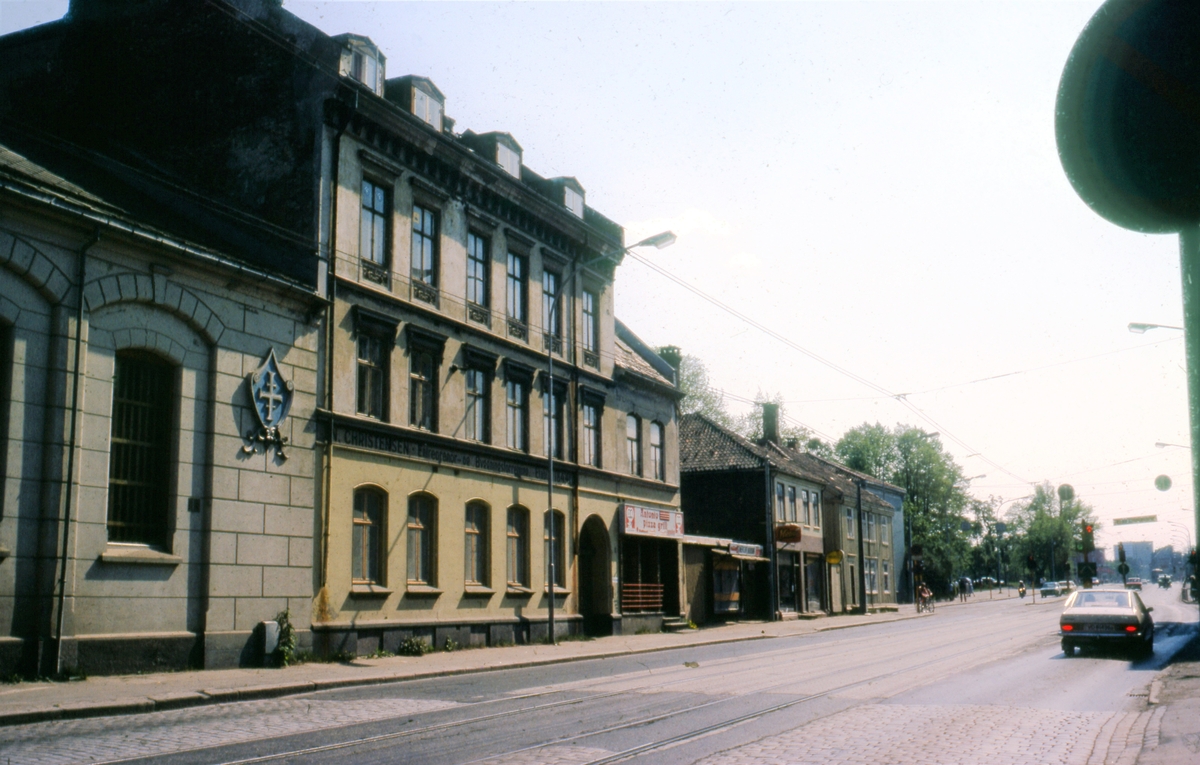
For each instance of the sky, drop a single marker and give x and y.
(875, 182)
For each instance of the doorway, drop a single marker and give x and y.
(595, 598)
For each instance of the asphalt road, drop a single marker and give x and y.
(985, 682)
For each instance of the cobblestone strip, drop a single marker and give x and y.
(104, 739)
(932, 735)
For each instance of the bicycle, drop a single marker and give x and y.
(925, 604)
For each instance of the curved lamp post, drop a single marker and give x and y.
(660, 240)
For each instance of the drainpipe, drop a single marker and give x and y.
(772, 584)
(81, 273)
(331, 291)
(862, 561)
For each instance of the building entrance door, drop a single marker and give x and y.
(595, 592)
(789, 582)
(814, 583)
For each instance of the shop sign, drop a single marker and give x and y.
(741, 548)
(788, 532)
(833, 557)
(652, 522)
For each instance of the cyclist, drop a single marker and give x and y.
(924, 597)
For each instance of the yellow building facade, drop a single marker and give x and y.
(456, 273)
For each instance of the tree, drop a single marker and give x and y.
(935, 500)
(1048, 529)
(699, 396)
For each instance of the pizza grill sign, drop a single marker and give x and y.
(650, 522)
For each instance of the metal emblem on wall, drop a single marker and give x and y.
(272, 398)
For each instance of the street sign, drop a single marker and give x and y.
(1135, 519)
(1123, 569)
(833, 557)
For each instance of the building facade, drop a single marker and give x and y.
(460, 277)
(149, 519)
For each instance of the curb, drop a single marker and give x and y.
(188, 699)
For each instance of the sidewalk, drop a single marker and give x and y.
(130, 694)
(1173, 737)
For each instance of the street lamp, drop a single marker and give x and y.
(1164, 445)
(1139, 328)
(660, 240)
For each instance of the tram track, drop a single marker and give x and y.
(767, 659)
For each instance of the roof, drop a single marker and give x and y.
(633, 355)
(104, 199)
(705, 446)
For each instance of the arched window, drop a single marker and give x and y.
(422, 538)
(476, 543)
(139, 465)
(557, 553)
(518, 546)
(370, 510)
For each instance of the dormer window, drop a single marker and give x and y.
(573, 200)
(362, 62)
(509, 160)
(427, 108)
(365, 69)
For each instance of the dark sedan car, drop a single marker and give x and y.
(1106, 617)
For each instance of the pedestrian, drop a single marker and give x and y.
(962, 590)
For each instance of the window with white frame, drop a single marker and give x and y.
(478, 264)
(791, 504)
(780, 503)
(558, 550)
(885, 531)
(590, 441)
(509, 160)
(373, 239)
(551, 308)
(422, 531)
(424, 246)
(850, 523)
(516, 398)
(427, 108)
(478, 412)
(814, 499)
(476, 543)
(573, 200)
(887, 576)
(517, 288)
(658, 467)
(370, 509)
(590, 330)
(633, 443)
(517, 546)
(552, 422)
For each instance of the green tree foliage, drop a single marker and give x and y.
(1048, 529)
(699, 396)
(935, 501)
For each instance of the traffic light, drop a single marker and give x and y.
(1088, 537)
(1031, 563)
(1192, 559)
(918, 567)
(1121, 552)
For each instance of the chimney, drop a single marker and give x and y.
(672, 355)
(771, 422)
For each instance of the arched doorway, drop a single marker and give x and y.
(595, 599)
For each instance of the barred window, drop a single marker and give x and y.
(422, 533)
(369, 511)
(424, 246)
(475, 553)
(139, 466)
(518, 546)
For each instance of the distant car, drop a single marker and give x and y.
(1066, 586)
(1050, 589)
(1106, 617)
(1133, 583)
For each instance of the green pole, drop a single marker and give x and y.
(1189, 268)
